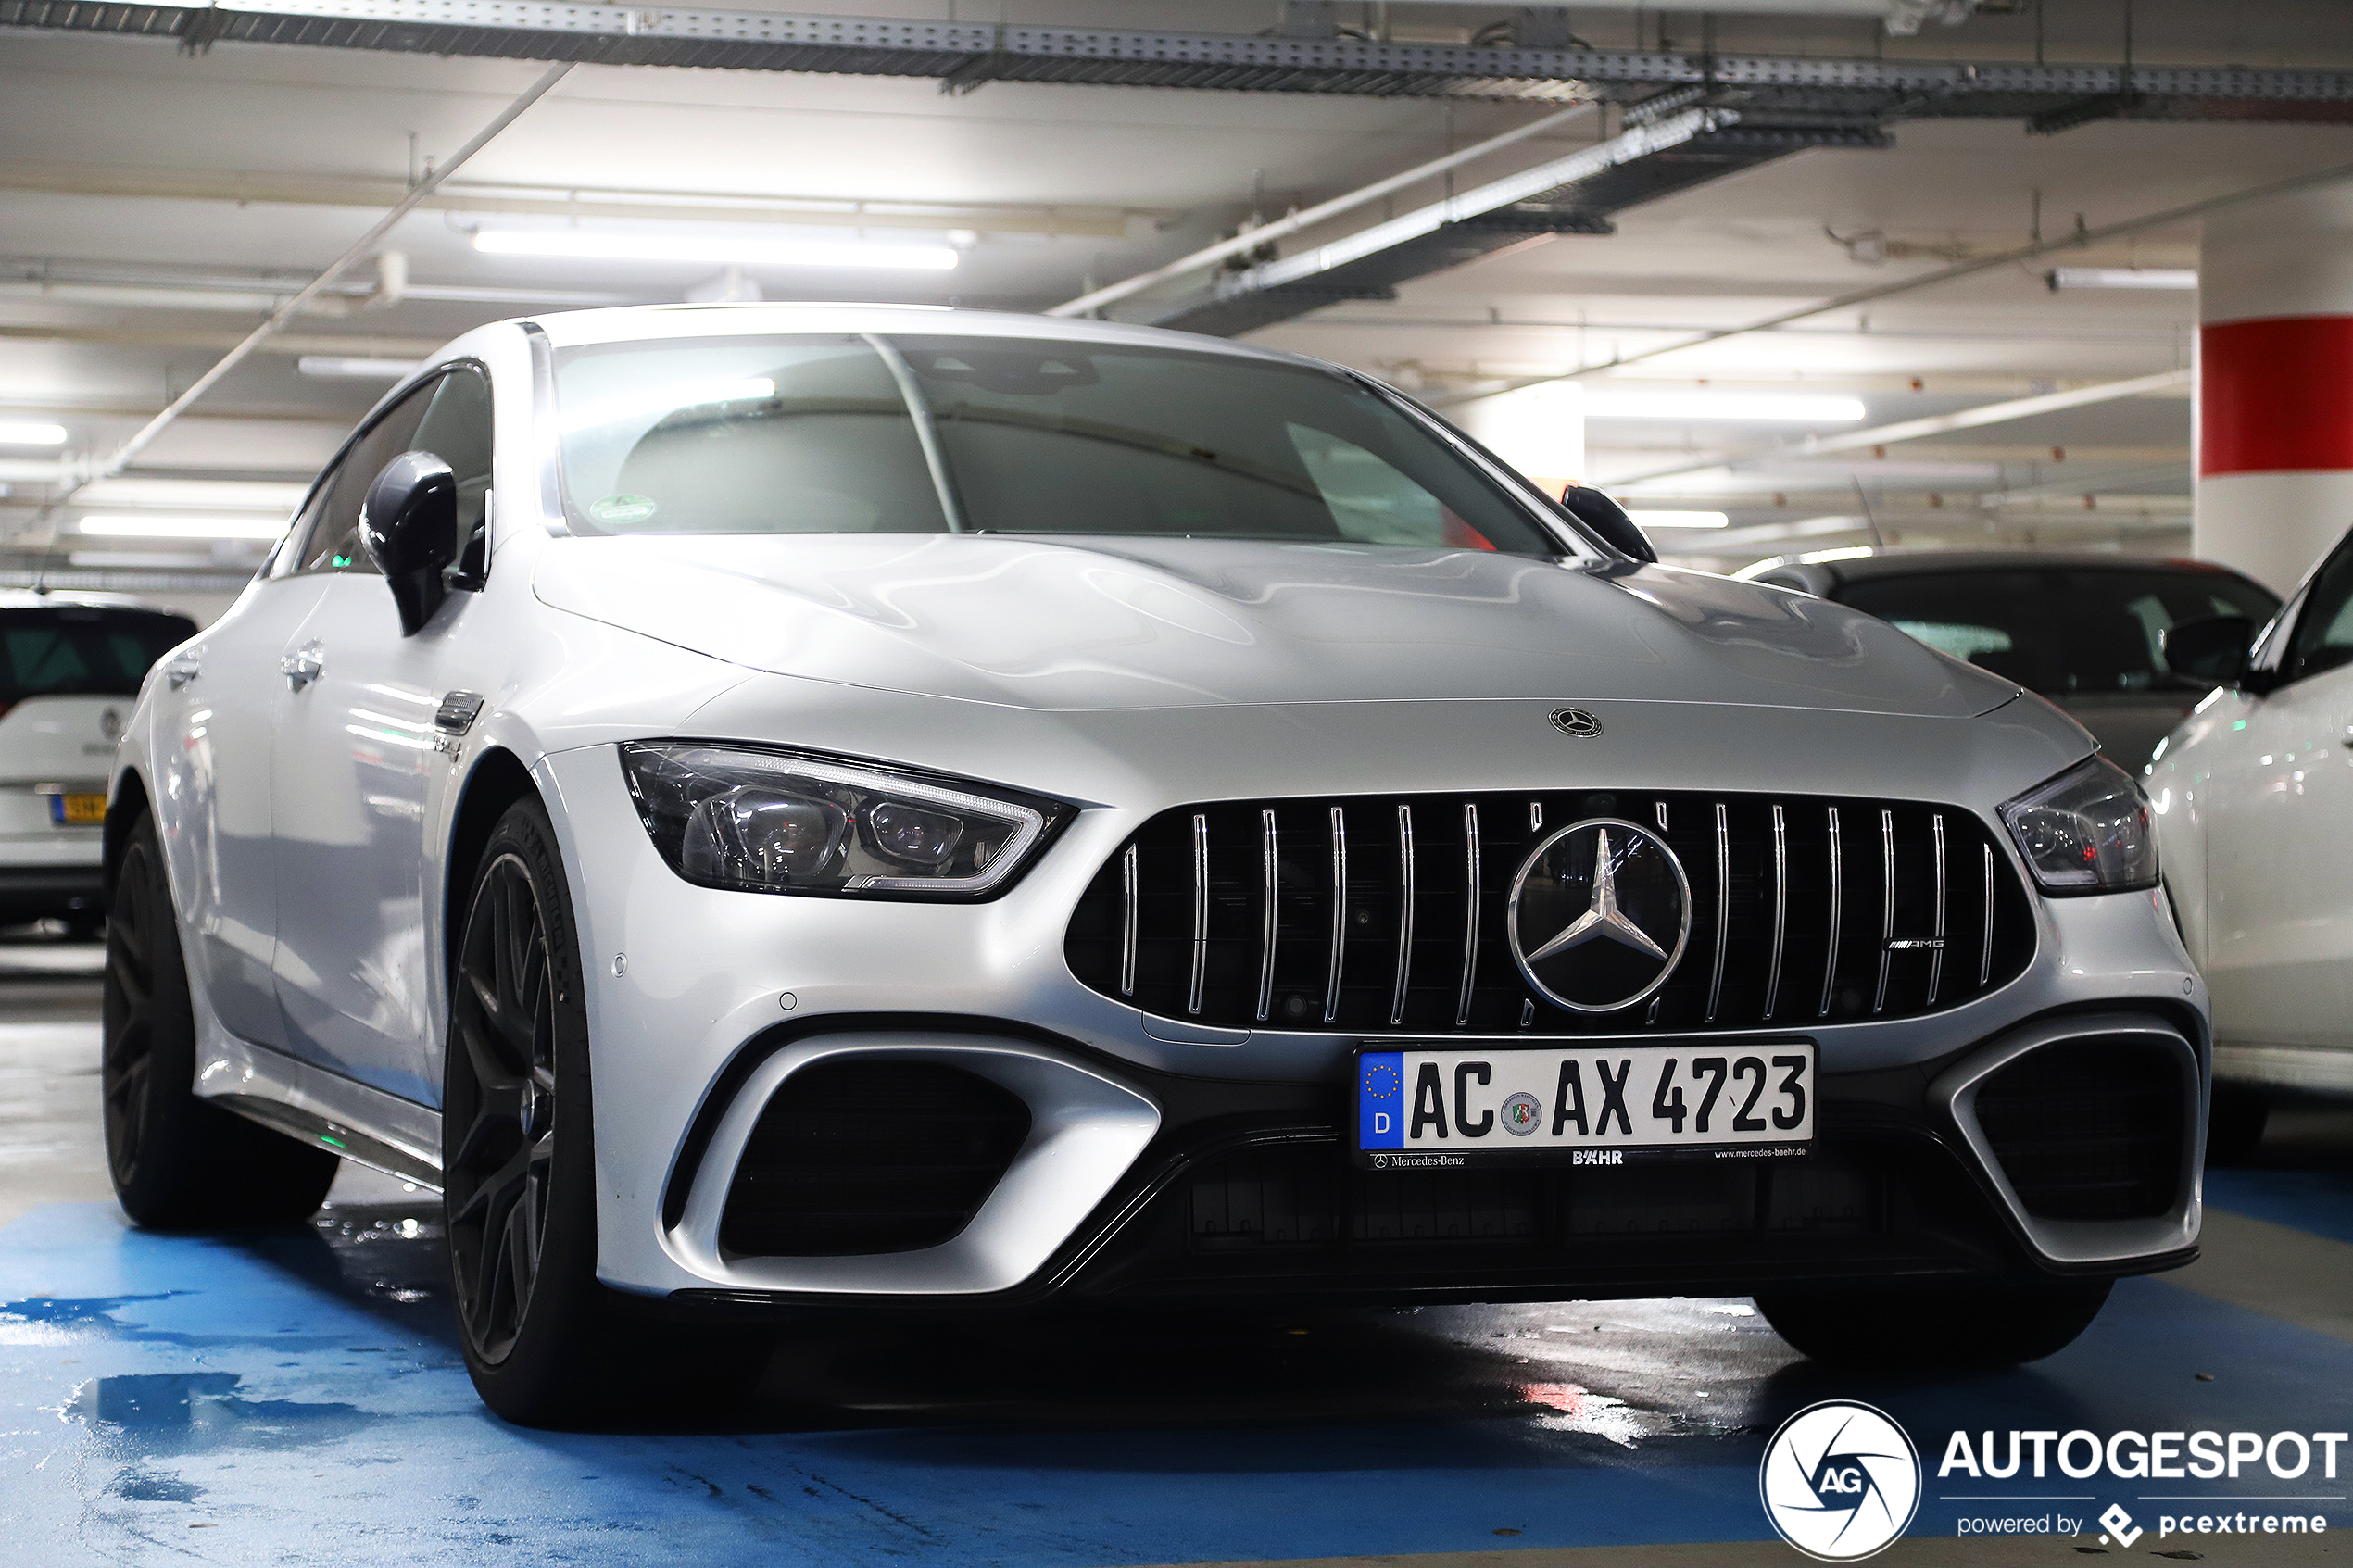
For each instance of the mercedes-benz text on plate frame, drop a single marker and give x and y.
(1594, 1106)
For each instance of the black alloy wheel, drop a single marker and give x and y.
(1963, 1325)
(545, 1343)
(177, 1160)
(127, 1012)
(501, 1109)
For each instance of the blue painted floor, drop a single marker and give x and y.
(297, 1398)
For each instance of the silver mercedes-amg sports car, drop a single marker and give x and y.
(772, 806)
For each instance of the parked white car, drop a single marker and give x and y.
(71, 664)
(2254, 799)
(772, 806)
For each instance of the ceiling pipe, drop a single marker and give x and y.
(1934, 424)
(117, 460)
(1291, 223)
(2081, 238)
(1902, 17)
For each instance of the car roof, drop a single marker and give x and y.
(630, 323)
(1938, 563)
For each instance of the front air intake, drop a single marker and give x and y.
(1373, 915)
(2089, 1129)
(867, 1155)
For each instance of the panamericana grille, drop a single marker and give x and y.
(2089, 1129)
(1372, 915)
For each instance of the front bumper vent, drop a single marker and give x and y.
(1371, 915)
(2089, 1129)
(865, 1156)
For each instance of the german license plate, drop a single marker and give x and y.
(1422, 1109)
(78, 811)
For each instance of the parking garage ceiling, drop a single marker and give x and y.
(1712, 171)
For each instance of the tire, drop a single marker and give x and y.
(179, 1163)
(1889, 1328)
(2235, 1124)
(546, 1343)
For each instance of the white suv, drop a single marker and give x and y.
(70, 665)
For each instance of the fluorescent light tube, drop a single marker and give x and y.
(162, 560)
(351, 369)
(1680, 519)
(186, 527)
(707, 250)
(191, 494)
(31, 432)
(2121, 278)
(1789, 408)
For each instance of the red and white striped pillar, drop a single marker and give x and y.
(2274, 410)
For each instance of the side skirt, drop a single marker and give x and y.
(380, 1131)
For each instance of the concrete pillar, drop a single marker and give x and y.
(2274, 410)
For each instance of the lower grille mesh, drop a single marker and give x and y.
(1308, 1196)
(2089, 1129)
(866, 1156)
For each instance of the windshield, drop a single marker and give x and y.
(862, 434)
(2061, 632)
(77, 650)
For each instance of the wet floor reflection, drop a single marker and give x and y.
(1616, 1372)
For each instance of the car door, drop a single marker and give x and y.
(359, 775)
(221, 700)
(2280, 855)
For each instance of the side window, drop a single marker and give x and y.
(1370, 500)
(332, 543)
(2325, 632)
(456, 430)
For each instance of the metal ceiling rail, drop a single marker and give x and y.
(1572, 194)
(2160, 385)
(963, 56)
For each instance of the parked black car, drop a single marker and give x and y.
(2083, 630)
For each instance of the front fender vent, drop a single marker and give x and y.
(870, 1155)
(1387, 915)
(2090, 1129)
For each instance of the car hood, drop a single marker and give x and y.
(1122, 624)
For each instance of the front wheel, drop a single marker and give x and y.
(1939, 1327)
(546, 1343)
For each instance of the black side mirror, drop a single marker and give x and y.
(410, 526)
(2214, 649)
(1608, 519)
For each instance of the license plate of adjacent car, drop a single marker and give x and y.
(78, 811)
(1432, 1108)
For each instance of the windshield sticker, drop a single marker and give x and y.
(622, 508)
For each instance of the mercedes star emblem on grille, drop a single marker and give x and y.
(1576, 722)
(1600, 913)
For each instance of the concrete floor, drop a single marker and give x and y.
(297, 1398)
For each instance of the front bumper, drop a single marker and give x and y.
(699, 1001)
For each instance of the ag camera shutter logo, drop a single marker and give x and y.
(1840, 1481)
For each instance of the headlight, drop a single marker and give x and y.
(778, 822)
(2087, 831)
